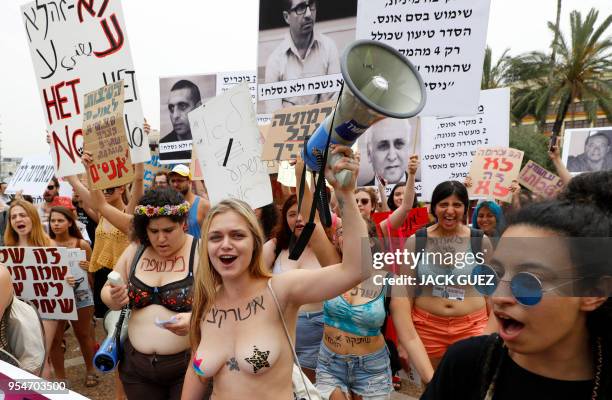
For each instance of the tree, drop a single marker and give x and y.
(494, 76)
(578, 74)
(535, 146)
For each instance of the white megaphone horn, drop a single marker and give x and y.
(379, 82)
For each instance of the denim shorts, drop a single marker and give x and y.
(309, 333)
(368, 376)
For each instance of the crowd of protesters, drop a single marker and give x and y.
(220, 309)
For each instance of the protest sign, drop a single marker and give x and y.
(492, 171)
(539, 180)
(448, 144)
(39, 275)
(18, 384)
(194, 167)
(32, 175)
(152, 167)
(180, 95)
(298, 56)
(227, 141)
(227, 80)
(444, 40)
(587, 150)
(104, 137)
(76, 47)
(285, 136)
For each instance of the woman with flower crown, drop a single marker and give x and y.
(158, 275)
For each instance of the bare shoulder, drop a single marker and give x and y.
(5, 284)
(83, 245)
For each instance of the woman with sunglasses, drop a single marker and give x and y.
(551, 344)
(444, 308)
(63, 229)
(242, 315)
(366, 201)
(159, 287)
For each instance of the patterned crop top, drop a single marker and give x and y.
(361, 320)
(175, 296)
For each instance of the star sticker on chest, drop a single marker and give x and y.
(258, 360)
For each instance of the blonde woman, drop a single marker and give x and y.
(237, 333)
(25, 230)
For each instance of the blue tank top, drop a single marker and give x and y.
(361, 320)
(193, 228)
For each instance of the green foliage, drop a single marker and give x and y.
(533, 143)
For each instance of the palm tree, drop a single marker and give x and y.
(579, 73)
(494, 76)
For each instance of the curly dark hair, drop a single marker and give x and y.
(582, 210)
(156, 198)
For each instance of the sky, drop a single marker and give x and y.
(210, 36)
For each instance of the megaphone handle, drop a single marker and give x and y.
(344, 176)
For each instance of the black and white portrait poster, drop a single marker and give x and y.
(300, 44)
(588, 150)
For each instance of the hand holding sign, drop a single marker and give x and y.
(492, 171)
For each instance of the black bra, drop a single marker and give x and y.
(175, 296)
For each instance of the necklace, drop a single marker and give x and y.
(598, 368)
(596, 379)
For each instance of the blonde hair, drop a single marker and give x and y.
(207, 280)
(37, 236)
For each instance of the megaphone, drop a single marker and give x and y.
(115, 324)
(379, 82)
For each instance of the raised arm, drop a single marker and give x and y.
(137, 188)
(555, 156)
(383, 196)
(398, 217)
(82, 191)
(323, 249)
(310, 286)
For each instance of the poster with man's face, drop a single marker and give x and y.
(178, 97)
(385, 150)
(300, 43)
(588, 150)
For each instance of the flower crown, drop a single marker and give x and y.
(165, 210)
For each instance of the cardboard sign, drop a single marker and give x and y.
(226, 138)
(492, 171)
(444, 40)
(104, 137)
(152, 167)
(448, 144)
(285, 136)
(39, 275)
(539, 180)
(77, 47)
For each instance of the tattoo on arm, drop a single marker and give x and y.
(216, 316)
(341, 205)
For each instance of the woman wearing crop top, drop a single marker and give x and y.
(445, 313)
(237, 334)
(353, 357)
(159, 274)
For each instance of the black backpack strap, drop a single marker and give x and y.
(421, 240)
(476, 236)
(139, 251)
(194, 245)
